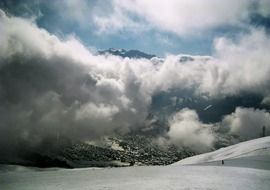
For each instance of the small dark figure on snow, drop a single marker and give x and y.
(222, 161)
(263, 131)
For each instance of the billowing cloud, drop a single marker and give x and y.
(53, 87)
(187, 130)
(235, 61)
(247, 123)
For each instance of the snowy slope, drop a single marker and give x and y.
(134, 178)
(181, 175)
(254, 153)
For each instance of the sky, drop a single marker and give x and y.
(53, 83)
(155, 27)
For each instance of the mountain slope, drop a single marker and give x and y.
(254, 154)
(127, 53)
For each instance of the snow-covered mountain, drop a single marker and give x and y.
(253, 154)
(127, 53)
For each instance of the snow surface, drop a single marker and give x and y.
(134, 178)
(254, 153)
(206, 175)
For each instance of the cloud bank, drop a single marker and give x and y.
(186, 130)
(247, 123)
(52, 87)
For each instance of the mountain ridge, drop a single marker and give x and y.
(127, 53)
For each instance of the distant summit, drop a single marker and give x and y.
(127, 53)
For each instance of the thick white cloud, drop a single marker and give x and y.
(50, 85)
(179, 16)
(186, 130)
(239, 66)
(247, 123)
(99, 112)
(236, 66)
(95, 95)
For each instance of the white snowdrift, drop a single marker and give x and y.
(254, 153)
